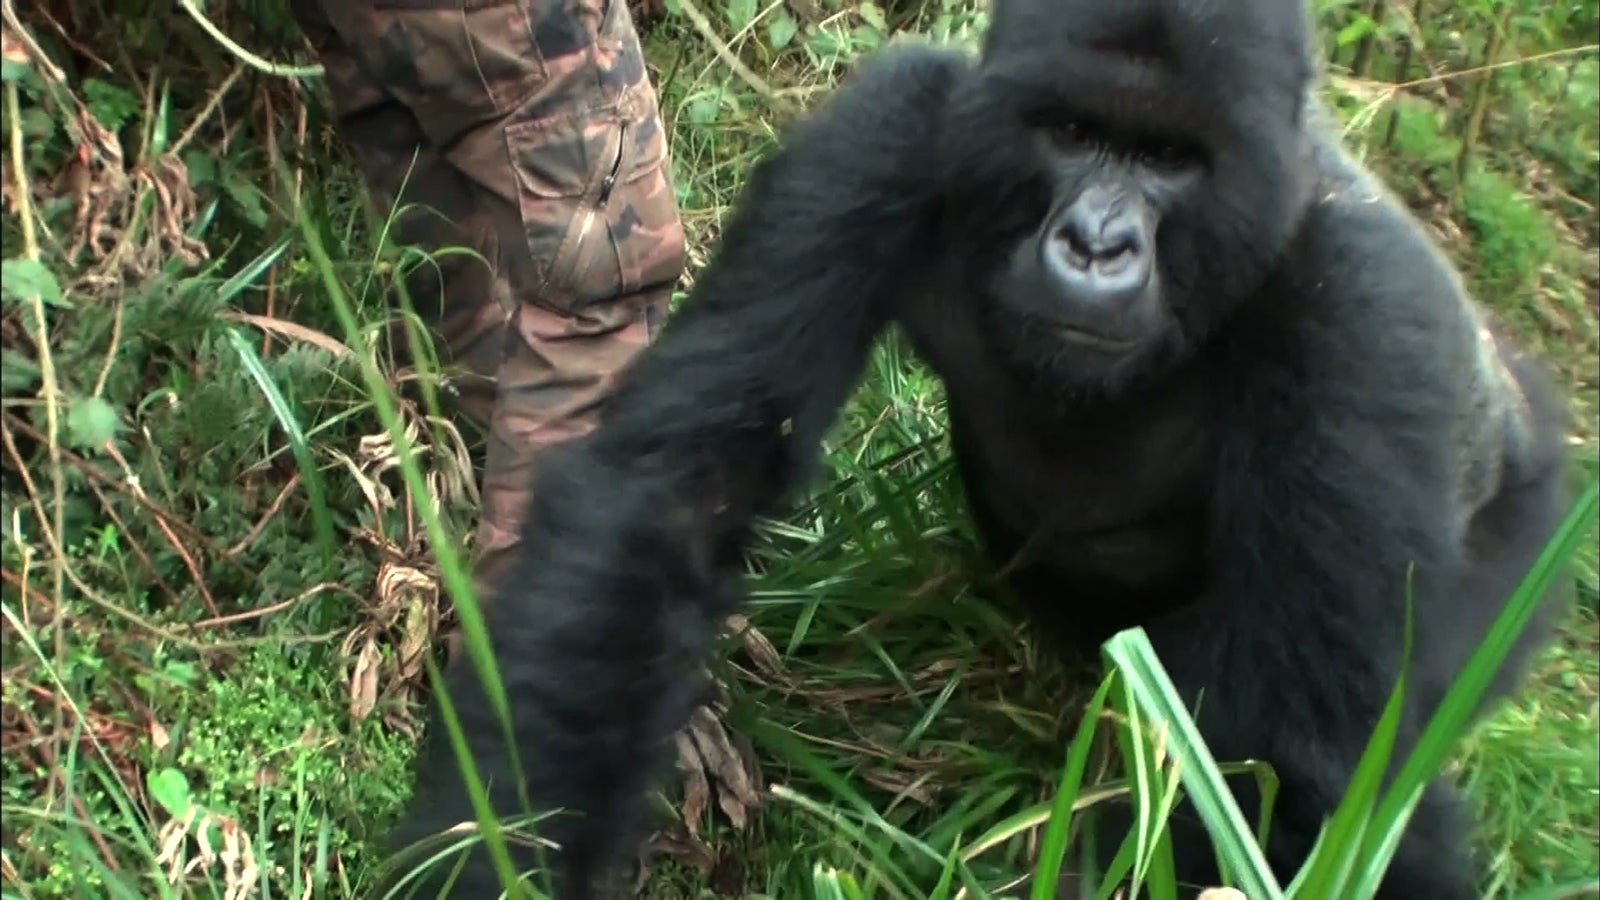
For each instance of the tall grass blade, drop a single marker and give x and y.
(1053, 846)
(1152, 689)
(299, 444)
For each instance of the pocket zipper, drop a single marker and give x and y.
(593, 209)
(616, 166)
(606, 185)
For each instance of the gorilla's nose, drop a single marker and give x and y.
(1092, 238)
(1099, 251)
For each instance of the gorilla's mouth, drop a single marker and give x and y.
(1074, 334)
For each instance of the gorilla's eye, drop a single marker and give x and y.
(1165, 155)
(1070, 132)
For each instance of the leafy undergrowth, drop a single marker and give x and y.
(217, 583)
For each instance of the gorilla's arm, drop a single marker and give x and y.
(632, 544)
(1336, 492)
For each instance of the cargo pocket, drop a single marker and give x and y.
(597, 207)
(456, 64)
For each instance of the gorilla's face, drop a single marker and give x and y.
(1087, 295)
(1112, 199)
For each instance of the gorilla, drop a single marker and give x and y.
(1204, 375)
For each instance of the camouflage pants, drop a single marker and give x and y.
(527, 131)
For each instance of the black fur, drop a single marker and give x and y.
(1311, 415)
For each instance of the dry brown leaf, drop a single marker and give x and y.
(736, 794)
(761, 651)
(409, 598)
(379, 499)
(159, 738)
(417, 630)
(452, 477)
(404, 614)
(401, 587)
(171, 838)
(696, 790)
(176, 206)
(915, 787)
(293, 331)
(239, 870)
(238, 862)
(364, 680)
(99, 185)
(673, 844)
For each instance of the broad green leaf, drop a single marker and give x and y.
(1336, 853)
(13, 68)
(24, 279)
(1359, 27)
(781, 29)
(299, 443)
(170, 788)
(740, 13)
(91, 422)
(874, 16)
(702, 110)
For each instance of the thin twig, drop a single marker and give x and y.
(725, 53)
(212, 102)
(243, 55)
(25, 37)
(59, 777)
(161, 522)
(16, 580)
(49, 390)
(133, 543)
(52, 538)
(269, 609)
(91, 470)
(113, 344)
(1451, 76)
(266, 517)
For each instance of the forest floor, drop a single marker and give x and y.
(211, 590)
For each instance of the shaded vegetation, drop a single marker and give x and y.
(215, 582)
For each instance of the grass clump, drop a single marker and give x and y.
(224, 500)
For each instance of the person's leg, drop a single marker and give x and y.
(457, 293)
(537, 143)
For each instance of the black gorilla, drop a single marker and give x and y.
(1204, 375)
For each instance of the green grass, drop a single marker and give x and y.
(215, 646)
(1532, 771)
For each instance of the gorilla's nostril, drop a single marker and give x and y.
(1124, 244)
(1073, 250)
(1116, 260)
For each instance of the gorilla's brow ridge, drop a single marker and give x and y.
(1147, 39)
